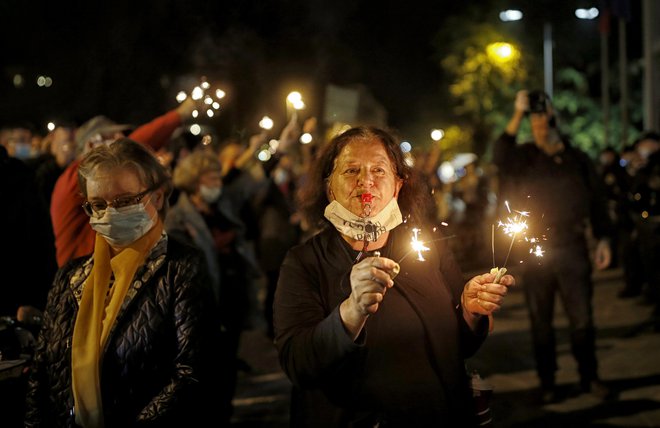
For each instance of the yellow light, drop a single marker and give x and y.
(418, 245)
(266, 123)
(298, 105)
(181, 96)
(437, 134)
(306, 138)
(197, 93)
(294, 97)
(502, 53)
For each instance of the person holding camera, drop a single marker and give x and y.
(559, 186)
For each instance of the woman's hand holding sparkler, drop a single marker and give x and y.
(370, 280)
(482, 296)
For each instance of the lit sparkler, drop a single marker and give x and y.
(198, 93)
(515, 225)
(418, 245)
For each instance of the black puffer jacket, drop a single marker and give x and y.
(158, 364)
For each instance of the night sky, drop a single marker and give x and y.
(128, 59)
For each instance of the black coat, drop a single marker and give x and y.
(407, 366)
(158, 364)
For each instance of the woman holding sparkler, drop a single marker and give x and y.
(368, 333)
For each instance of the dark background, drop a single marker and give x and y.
(128, 60)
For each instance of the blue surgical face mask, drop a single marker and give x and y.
(123, 226)
(22, 150)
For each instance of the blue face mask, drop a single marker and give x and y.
(22, 150)
(123, 226)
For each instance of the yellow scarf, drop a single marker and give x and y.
(98, 310)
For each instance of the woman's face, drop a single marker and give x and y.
(363, 167)
(119, 183)
(210, 179)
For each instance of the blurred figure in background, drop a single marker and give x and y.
(203, 220)
(279, 226)
(27, 239)
(73, 235)
(645, 205)
(60, 152)
(559, 186)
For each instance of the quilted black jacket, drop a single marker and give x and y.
(160, 365)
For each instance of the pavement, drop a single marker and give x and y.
(628, 351)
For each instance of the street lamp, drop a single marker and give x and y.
(516, 15)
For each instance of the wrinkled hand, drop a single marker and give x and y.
(483, 297)
(522, 101)
(370, 280)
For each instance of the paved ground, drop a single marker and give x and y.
(628, 352)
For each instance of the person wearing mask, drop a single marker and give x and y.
(128, 336)
(558, 185)
(203, 219)
(73, 235)
(367, 332)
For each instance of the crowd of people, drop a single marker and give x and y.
(139, 255)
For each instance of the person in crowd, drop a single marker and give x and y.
(73, 235)
(17, 138)
(129, 331)
(279, 226)
(558, 185)
(203, 219)
(59, 153)
(362, 345)
(645, 211)
(617, 172)
(26, 232)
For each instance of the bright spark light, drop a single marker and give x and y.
(516, 225)
(418, 245)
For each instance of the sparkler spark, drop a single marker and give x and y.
(516, 225)
(418, 245)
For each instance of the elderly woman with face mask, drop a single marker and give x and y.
(206, 221)
(368, 333)
(128, 336)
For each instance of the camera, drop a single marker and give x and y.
(539, 102)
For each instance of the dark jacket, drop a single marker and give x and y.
(407, 366)
(563, 192)
(157, 364)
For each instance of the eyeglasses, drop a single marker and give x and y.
(97, 208)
